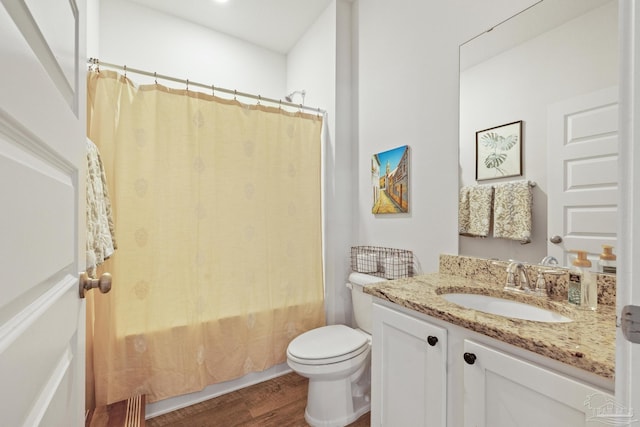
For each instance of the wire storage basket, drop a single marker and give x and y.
(383, 262)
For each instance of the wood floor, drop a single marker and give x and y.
(279, 402)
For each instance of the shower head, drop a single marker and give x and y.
(289, 97)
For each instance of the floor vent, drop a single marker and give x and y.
(126, 413)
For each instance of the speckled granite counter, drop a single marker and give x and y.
(588, 342)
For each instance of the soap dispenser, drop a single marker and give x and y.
(582, 285)
(607, 263)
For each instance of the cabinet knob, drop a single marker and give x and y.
(432, 340)
(470, 358)
(555, 239)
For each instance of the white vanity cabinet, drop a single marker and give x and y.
(409, 371)
(427, 372)
(504, 391)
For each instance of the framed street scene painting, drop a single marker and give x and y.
(390, 181)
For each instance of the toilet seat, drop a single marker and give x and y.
(327, 345)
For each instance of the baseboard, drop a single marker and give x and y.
(168, 405)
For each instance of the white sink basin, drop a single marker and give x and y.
(505, 308)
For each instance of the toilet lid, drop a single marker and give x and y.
(327, 342)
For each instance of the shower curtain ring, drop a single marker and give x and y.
(259, 98)
(125, 71)
(187, 84)
(235, 92)
(213, 90)
(155, 77)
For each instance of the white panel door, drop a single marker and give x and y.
(582, 150)
(628, 283)
(42, 161)
(409, 371)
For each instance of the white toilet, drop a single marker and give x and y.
(337, 361)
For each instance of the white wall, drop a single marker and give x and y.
(407, 93)
(321, 63)
(578, 57)
(133, 35)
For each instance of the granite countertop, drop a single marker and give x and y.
(588, 342)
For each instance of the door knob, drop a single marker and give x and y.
(432, 340)
(555, 239)
(86, 283)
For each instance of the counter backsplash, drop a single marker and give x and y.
(488, 270)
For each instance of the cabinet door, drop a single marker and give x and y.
(409, 371)
(500, 390)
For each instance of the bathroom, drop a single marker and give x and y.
(410, 98)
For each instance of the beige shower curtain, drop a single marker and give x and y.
(217, 208)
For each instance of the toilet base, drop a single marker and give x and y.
(361, 405)
(338, 402)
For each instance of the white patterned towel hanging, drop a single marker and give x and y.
(101, 241)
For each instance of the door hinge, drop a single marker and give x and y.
(630, 323)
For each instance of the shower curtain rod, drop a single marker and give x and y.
(97, 63)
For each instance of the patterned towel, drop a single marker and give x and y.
(474, 211)
(100, 228)
(512, 211)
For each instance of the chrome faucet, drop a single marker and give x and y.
(522, 276)
(510, 285)
(540, 286)
(516, 269)
(549, 260)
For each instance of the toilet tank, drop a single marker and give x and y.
(362, 303)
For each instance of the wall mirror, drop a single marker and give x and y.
(528, 68)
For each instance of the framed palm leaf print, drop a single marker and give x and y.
(499, 151)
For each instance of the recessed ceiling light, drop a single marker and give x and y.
(221, 1)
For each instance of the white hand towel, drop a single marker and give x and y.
(512, 211)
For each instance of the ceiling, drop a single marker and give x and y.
(273, 24)
(538, 19)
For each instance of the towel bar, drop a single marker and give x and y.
(531, 184)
